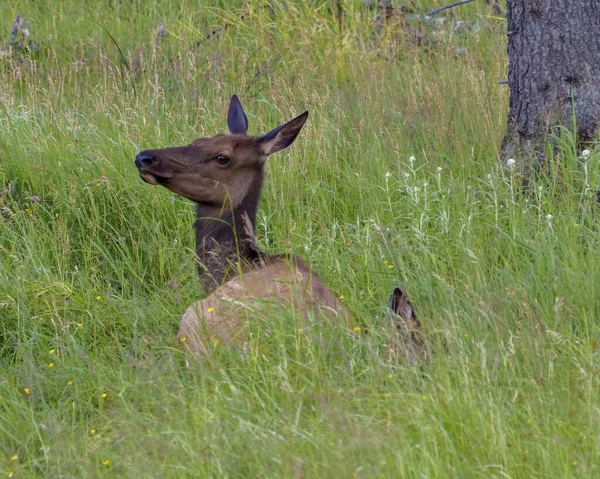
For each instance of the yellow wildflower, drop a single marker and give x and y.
(182, 340)
(390, 266)
(341, 297)
(52, 351)
(26, 390)
(573, 463)
(79, 325)
(11, 474)
(210, 310)
(98, 297)
(106, 463)
(29, 210)
(390, 376)
(70, 383)
(529, 420)
(14, 458)
(92, 431)
(51, 365)
(424, 398)
(385, 262)
(103, 395)
(356, 328)
(215, 341)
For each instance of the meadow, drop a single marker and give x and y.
(395, 181)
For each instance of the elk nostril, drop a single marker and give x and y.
(144, 160)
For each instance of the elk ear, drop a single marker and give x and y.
(400, 305)
(283, 136)
(237, 122)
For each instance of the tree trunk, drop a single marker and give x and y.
(554, 75)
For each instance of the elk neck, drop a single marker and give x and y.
(225, 238)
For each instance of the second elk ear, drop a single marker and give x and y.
(237, 121)
(400, 304)
(283, 136)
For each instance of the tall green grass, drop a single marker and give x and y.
(96, 274)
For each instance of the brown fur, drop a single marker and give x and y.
(281, 284)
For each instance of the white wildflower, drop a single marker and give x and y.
(549, 217)
(510, 162)
(406, 175)
(412, 159)
(387, 174)
(439, 169)
(585, 153)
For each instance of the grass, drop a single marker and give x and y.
(96, 274)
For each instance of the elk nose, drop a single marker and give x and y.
(144, 159)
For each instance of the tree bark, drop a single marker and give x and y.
(553, 74)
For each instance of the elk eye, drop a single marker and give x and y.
(221, 160)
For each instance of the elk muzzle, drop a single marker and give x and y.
(144, 159)
(148, 165)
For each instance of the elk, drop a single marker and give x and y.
(223, 175)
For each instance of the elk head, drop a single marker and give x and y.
(225, 167)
